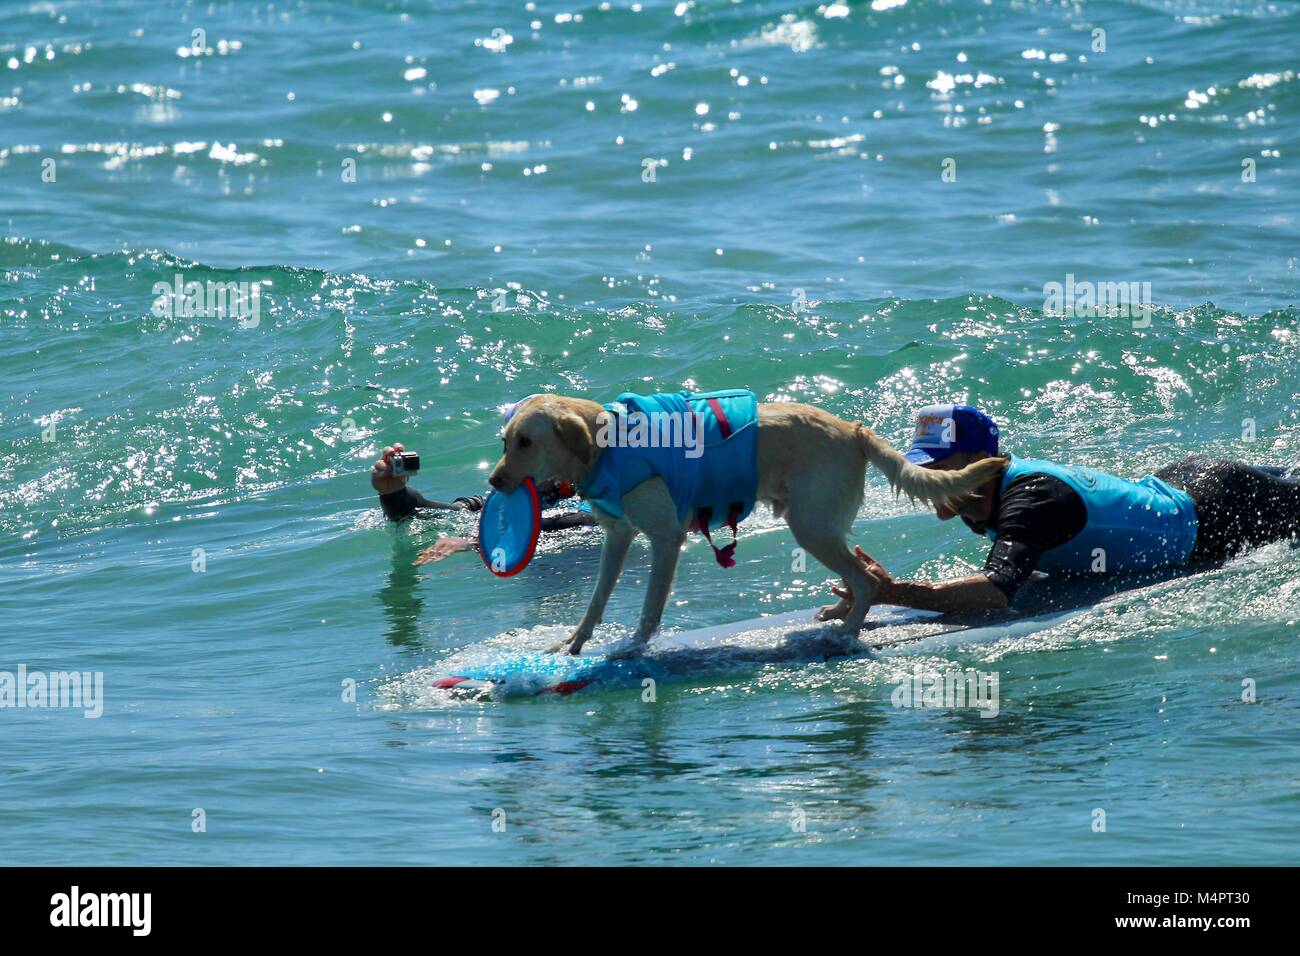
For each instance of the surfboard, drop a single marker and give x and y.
(789, 638)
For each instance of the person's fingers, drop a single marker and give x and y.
(867, 560)
(387, 453)
(442, 548)
(842, 592)
(398, 446)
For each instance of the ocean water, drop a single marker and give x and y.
(450, 205)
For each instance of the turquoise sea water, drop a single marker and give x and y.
(500, 237)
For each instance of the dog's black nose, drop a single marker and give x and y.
(495, 481)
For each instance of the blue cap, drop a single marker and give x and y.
(944, 429)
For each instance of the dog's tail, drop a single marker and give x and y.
(924, 483)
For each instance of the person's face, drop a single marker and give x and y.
(978, 505)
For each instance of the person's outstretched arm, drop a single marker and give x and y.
(446, 547)
(1037, 513)
(973, 593)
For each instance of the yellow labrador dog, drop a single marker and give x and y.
(811, 471)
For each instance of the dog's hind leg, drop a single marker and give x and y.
(835, 554)
(824, 540)
(618, 538)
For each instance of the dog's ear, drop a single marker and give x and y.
(575, 436)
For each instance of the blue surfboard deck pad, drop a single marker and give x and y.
(790, 638)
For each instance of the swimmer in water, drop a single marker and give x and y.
(399, 501)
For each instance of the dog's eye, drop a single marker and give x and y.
(524, 441)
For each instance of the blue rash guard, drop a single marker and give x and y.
(710, 467)
(1129, 525)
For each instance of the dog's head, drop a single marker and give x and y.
(550, 440)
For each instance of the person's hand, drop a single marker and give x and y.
(382, 478)
(444, 548)
(872, 567)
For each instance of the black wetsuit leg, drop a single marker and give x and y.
(1238, 506)
(568, 519)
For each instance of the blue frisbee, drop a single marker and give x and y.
(508, 527)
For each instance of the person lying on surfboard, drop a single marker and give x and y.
(1073, 521)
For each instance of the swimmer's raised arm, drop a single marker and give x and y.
(398, 500)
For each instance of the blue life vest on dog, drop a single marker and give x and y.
(716, 475)
(1137, 525)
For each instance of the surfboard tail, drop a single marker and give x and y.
(925, 484)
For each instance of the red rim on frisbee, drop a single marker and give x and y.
(508, 527)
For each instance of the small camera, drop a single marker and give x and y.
(406, 463)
